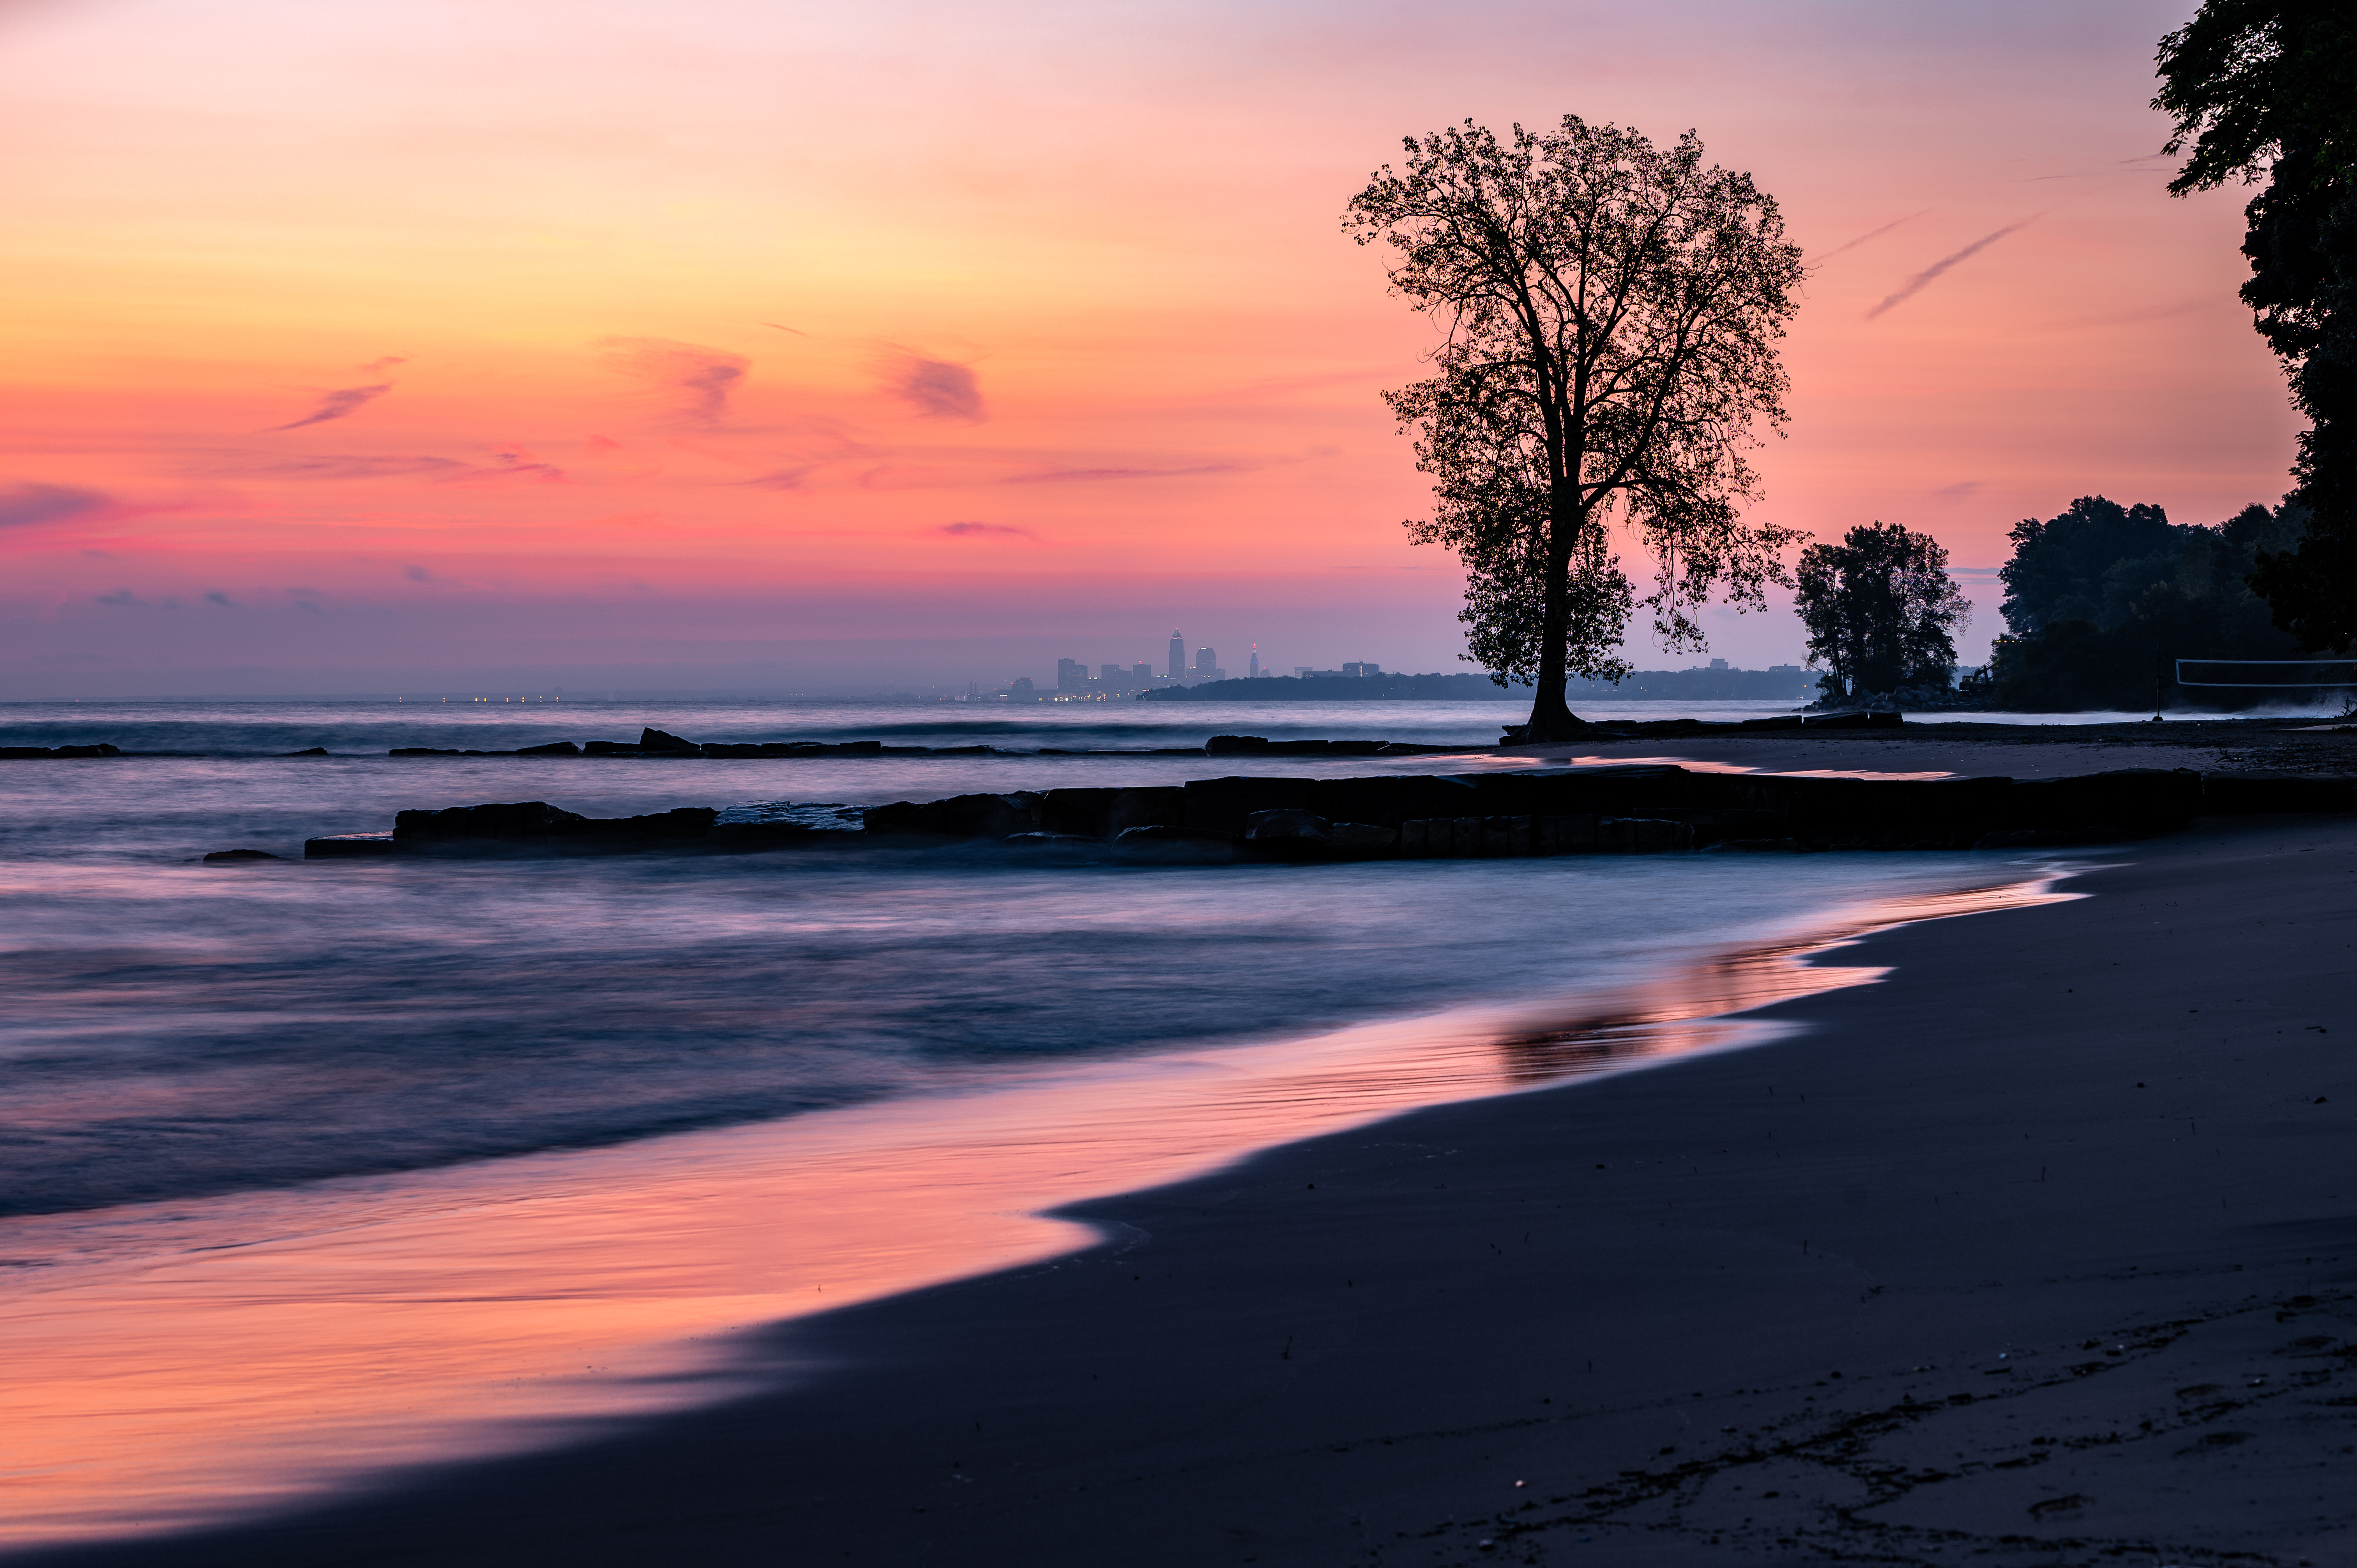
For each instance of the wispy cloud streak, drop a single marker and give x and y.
(939, 389)
(1068, 475)
(1871, 235)
(984, 530)
(22, 505)
(705, 376)
(338, 404)
(1922, 280)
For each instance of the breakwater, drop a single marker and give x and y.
(1641, 809)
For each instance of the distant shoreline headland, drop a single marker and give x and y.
(1781, 684)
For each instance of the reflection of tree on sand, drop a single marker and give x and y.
(1698, 1008)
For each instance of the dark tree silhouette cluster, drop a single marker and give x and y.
(1610, 313)
(2102, 599)
(2266, 90)
(1881, 611)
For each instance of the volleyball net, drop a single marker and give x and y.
(2267, 674)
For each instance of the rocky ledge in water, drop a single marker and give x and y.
(658, 743)
(1630, 809)
(29, 753)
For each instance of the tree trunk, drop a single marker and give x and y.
(1551, 717)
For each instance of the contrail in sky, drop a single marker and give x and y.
(337, 404)
(1877, 234)
(1917, 284)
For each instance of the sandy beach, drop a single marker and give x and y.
(2043, 1250)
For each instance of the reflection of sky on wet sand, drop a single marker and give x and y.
(176, 1362)
(1493, 763)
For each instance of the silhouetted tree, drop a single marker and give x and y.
(2268, 90)
(2102, 598)
(2088, 564)
(1880, 609)
(1611, 312)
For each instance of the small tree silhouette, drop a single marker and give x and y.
(1880, 609)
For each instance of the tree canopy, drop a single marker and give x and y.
(2088, 564)
(1610, 314)
(2266, 90)
(1880, 609)
(2101, 598)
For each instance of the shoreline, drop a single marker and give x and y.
(491, 1284)
(1349, 1349)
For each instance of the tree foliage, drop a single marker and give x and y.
(1611, 312)
(2088, 564)
(2266, 90)
(1880, 609)
(2100, 599)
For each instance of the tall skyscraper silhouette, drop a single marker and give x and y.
(1177, 657)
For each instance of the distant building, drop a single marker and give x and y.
(1072, 675)
(1207, 664)
(1021, 687)
(1252, 670)
(1362, 672)
(1718, 663)
(1177, 657)
(1141, 675)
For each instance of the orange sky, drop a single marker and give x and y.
(374, 346)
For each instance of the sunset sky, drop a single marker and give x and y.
(716, 345)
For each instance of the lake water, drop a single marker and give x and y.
(242, 1096)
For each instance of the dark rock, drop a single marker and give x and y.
(1390, 800)
(959, 817)
(1572, 835)
(1714, 823)
(1147, 806)
(1361, 840)
(682, 824)
(1287, 825)
(608, 748)
(1774, 721)
(1222, 805)
(1176, 846)
(308, 751)
(348, 846)
(1061, 841)
(749, 838)
(2242, 792)
(239, 856)
(1084, 812)
(1103, 812)
(2141, 799)
(1643, 835)
(539, 825)
(1759, 847)
(1228, 744)
(553, 748)
(521, 822)
(2056, 838)
(653, 739)
(27, 752)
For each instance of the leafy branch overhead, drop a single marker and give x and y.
(1610, 314)
(2266, 90)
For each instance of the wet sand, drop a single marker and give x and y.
(2043, 1250)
